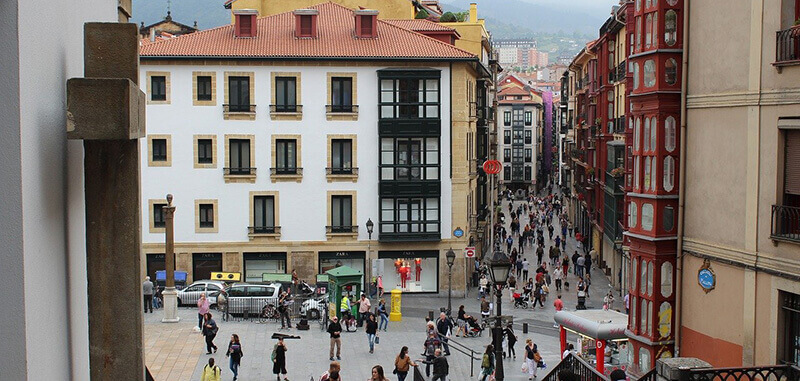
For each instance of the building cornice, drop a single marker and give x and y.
(774, 97)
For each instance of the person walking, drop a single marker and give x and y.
(608, 301)
(445, 328)
(487, 363)
(402, 364)
(627, 301)
(202, 309)
(279, 359)
(558, 274)
(377, 374)
(335, 331)
(511, 339)
(581, 265)
(559, 305)
(283, 309)
(147, 294)
(372, 332)
(569, 228)
(539, 254)
(565, 266)
(431, 344)
(380, 310)
(363, 309)
(587, 262)
(532, 358)
(211, 372)
(210, 332)
(234, 354)
(440, 367)
(525, 267)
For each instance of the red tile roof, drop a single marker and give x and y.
(420, 25)
(513, 90)
(336, 41)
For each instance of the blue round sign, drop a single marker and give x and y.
(458, 233)
(706, 279)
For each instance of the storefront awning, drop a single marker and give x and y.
(597, 324)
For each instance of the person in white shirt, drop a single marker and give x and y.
(570, 349)
(525, 265)
(558, 275)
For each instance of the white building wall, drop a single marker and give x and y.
(303, 206)
(501, 146)
(43, 272)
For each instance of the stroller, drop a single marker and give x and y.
(472, 328)
(521, 300)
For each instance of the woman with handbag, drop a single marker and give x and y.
(487, 363)
(532, 358)
(402, 364)
(210, 332)
(372, 332)
(235, 354)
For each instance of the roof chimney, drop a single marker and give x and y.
(473, 12)
(366, 23)
(305, 23)
(246, 25)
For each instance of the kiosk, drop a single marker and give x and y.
(343, 280)
(599, 333)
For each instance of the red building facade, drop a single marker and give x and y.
(652, 201)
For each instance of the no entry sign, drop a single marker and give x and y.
(492, 167)
(469, 252)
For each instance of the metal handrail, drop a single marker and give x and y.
(341, 229)
(787, 45)
(774, 372)
(228, 108)
(342, 171)
(785, 224)
(286, 108)
(286, 171)
(461, 348)
(577, 365)
(244, 171)
(345, 109)
(253, 230)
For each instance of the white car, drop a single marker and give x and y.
(312, 308)
(191, 294)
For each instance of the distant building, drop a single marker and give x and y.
(165, 28)
(519, 116)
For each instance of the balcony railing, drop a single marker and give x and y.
(577, 365)
(227, 108)
(785, 223)
(263, 230)
(286, 108)
(286, 171)
(341, 229)
(788, 46)
(239, 171)
(345, 109)
(342, 171)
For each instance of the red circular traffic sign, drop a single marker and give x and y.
(492, 167)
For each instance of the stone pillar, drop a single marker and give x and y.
(673, 369)
(305, 264)
(106, 111)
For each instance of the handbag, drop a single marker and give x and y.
(377, 339)
(525, 367)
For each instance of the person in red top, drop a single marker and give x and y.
(559, 305)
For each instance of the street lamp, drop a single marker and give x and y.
(370, 226)
(451, 257)
(170, 294)
(500, 266)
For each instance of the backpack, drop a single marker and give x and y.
(274, 353)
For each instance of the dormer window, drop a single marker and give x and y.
(306, 23)
(366, 23)
(245, 23)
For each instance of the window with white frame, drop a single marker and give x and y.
(669, 173)
(646, 135)
(647, 216)
(653, 178)
(649, 73)
(670, 136)
(633, 212)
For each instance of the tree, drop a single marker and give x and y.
(448, 17)
(422, 14)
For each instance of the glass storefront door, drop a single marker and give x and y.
(410, 271)
(203, 264)
(256, 264)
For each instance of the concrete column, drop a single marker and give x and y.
(106, 111)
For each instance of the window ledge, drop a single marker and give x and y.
(287, 178)
(341, 235)
(251, 179)
(158, 230)
(254, 236)
(196, 102)
(332, 178)
(230, 115)
(342, 116)
(206, 230)
(286, 115)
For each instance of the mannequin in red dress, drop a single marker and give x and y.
(419, 268)
(404, 275)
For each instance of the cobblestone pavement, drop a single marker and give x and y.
(177, 352)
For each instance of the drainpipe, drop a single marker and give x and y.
(682, 181)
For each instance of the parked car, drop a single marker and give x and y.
(251, 298)
(191, 294)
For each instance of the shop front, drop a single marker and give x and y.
(203, 264)
(329, 260)
(409, 271)
(155, 262)
(257, 264)
(601, 337)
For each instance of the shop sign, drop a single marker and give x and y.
(706, 277)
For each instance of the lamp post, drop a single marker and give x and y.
(451, 257)
(500, 266)
(370, 226)
(170, 294)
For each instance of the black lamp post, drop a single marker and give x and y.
(370, 226)
(451, 257)
(500, 266)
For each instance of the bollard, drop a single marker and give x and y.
(524, 327)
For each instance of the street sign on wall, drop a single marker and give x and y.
(492, 167)
(469, 252)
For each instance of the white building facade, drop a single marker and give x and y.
(519, 118)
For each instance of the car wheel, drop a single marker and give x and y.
(312, 314)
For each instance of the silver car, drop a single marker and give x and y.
(191, 294)
(251, 298)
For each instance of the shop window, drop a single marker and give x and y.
(669, 174)
(671, 27)
(633, 212)
(647, 217)
(671, 71)
(409, 98)
(666, 279)
(653, 176)
(257, 264)
(646, 135)
(670, 134)
(669, 218)
(410, 271)
(637, 130)
(635, 77)
(647, 173)
(648, 27)
(649, 73)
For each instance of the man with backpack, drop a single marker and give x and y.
(432, 344)
(211, 372)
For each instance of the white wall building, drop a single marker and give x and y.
(519, 118)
